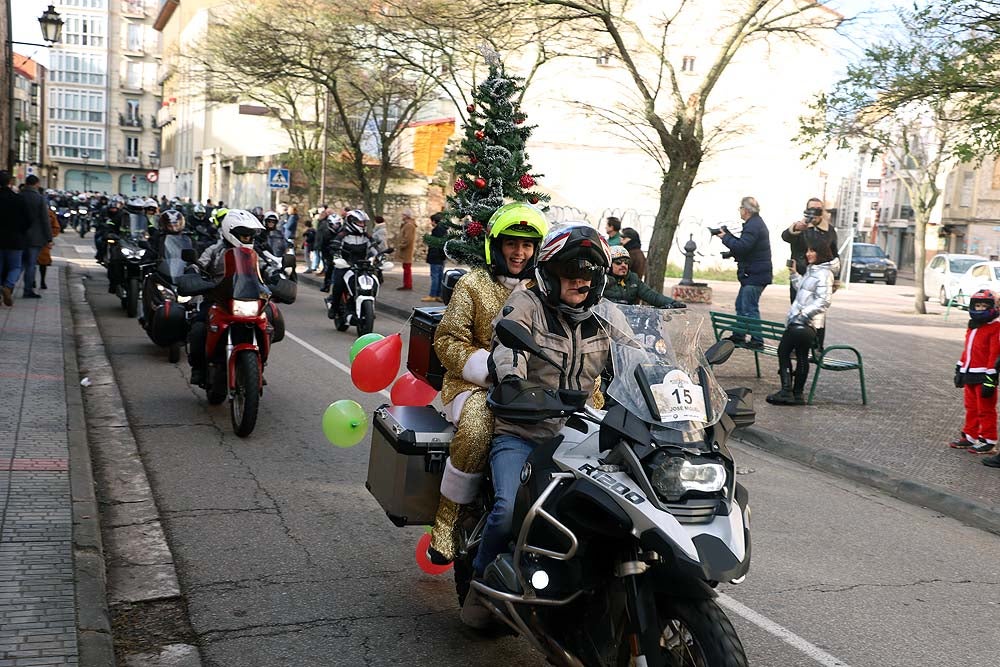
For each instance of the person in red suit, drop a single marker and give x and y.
(976, 371)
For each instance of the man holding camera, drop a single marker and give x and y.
(752, 252)
(812, 231)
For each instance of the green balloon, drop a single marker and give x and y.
(345, 423)
(363, 342)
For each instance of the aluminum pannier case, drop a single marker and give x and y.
(406, 462)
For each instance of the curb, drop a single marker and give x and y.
(939, 499)
(95, 644)
(136, 559)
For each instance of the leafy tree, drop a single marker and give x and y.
(918, 139)
(668, 119)
(492, 167)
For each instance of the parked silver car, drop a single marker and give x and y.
(944, 273)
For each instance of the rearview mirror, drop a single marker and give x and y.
(720, 352)
(516, 337)
(189, 255)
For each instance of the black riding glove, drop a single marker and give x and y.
(989, 388)
(958, 379)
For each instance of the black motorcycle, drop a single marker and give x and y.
(361, 285)
(165, 315)
(128, 260)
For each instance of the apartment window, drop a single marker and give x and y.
(133, 41)
(70, 141)
(132, 111)
(83, 30)
(604, 57)
(968, 184)
(131, 148)
(78, 68)
(133, 75)
(87, 4)
(78, 105)
(687, 64)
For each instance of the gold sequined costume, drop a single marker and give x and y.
(465, 328)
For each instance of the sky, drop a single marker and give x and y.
(25, 15)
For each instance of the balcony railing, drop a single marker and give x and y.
(130, 121)
(153, 123)
(135, 8)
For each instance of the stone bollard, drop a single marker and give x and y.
(687, 290)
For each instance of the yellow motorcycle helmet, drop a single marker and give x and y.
(516, 220)
(218, 214)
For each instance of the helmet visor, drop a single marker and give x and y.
(574, 269)
(244, 234)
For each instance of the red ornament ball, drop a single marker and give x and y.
(480, 183)
(520, 118)
(474, 228)
(460, 185)
(526, 181)
(533, 200)
(480, 135)
(473, 159)
(471, 108)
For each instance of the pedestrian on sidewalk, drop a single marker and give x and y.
(45, 256)
(14, 224)
(976, 371)
(612, 226)
(813, 230)
(39, 234)
(290, 224)
(807, 314)
(436, 258)
(407, 246)
(752, 252)
(637, 258)
(309, 253)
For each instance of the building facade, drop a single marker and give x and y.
(102, 97)
(970, 218)
(29, 79)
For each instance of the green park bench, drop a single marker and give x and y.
(771, 333)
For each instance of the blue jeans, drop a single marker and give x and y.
(314, 258)
(748, 305)
(10, 267)
(29, 259)
(507, 457)
(437, 272)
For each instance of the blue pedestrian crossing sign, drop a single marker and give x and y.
(277, 179)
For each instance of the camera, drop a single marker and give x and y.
(727, 255)
(714, 231)
(813, 214)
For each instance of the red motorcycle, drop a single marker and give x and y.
(242, 322)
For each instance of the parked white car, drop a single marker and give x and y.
(983, 275)
(943, 273)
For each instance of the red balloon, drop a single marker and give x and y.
(423, 562)
(376, 365)
(411, 390)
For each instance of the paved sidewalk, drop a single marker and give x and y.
(37, 595)
(898, 442)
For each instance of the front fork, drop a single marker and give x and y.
(642, 628)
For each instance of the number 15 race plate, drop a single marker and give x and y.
(679, 399)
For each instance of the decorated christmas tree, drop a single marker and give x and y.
(492, 168)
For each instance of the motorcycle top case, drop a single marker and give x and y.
(406, 462)
(421, 359)
(168, 325)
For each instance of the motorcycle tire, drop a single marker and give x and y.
(697, 632)
(246, 400)
(174, 353)
(215, 384)
(367, 320)
(132, 297)
(342, 321)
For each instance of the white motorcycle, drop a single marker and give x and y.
(361, 285)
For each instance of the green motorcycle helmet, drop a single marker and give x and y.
(517, 220)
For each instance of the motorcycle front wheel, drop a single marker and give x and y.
(174, 352)
(132, 297)
(695, 633)
(367, 320)
(246, 399)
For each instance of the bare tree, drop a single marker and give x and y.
(667, 119)
(325, 45)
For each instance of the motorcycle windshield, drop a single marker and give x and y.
(660, 373)
(242, 269)
(137, 225)
(171, 265)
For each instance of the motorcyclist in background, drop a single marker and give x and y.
(112, 220)
(625, 287)
(272, 239)
(238, 230)
(354, 245)
(152, 210)
(203, 231)
(329, 245)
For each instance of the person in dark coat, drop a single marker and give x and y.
(435, 258)
(625, 287)
(14, 224)
(812, 231)
(752, 252)
(637, 265)
(39, 233)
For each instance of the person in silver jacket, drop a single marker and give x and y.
(805, 318)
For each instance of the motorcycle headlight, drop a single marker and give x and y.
(243, 308)
(675, 476)
(82, 211)
(183, 299)
(128, 252)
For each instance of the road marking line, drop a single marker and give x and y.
(325, 357)
(785, 635)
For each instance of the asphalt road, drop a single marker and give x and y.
(285, 559)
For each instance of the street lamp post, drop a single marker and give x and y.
(86, 174)
(51, 24)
